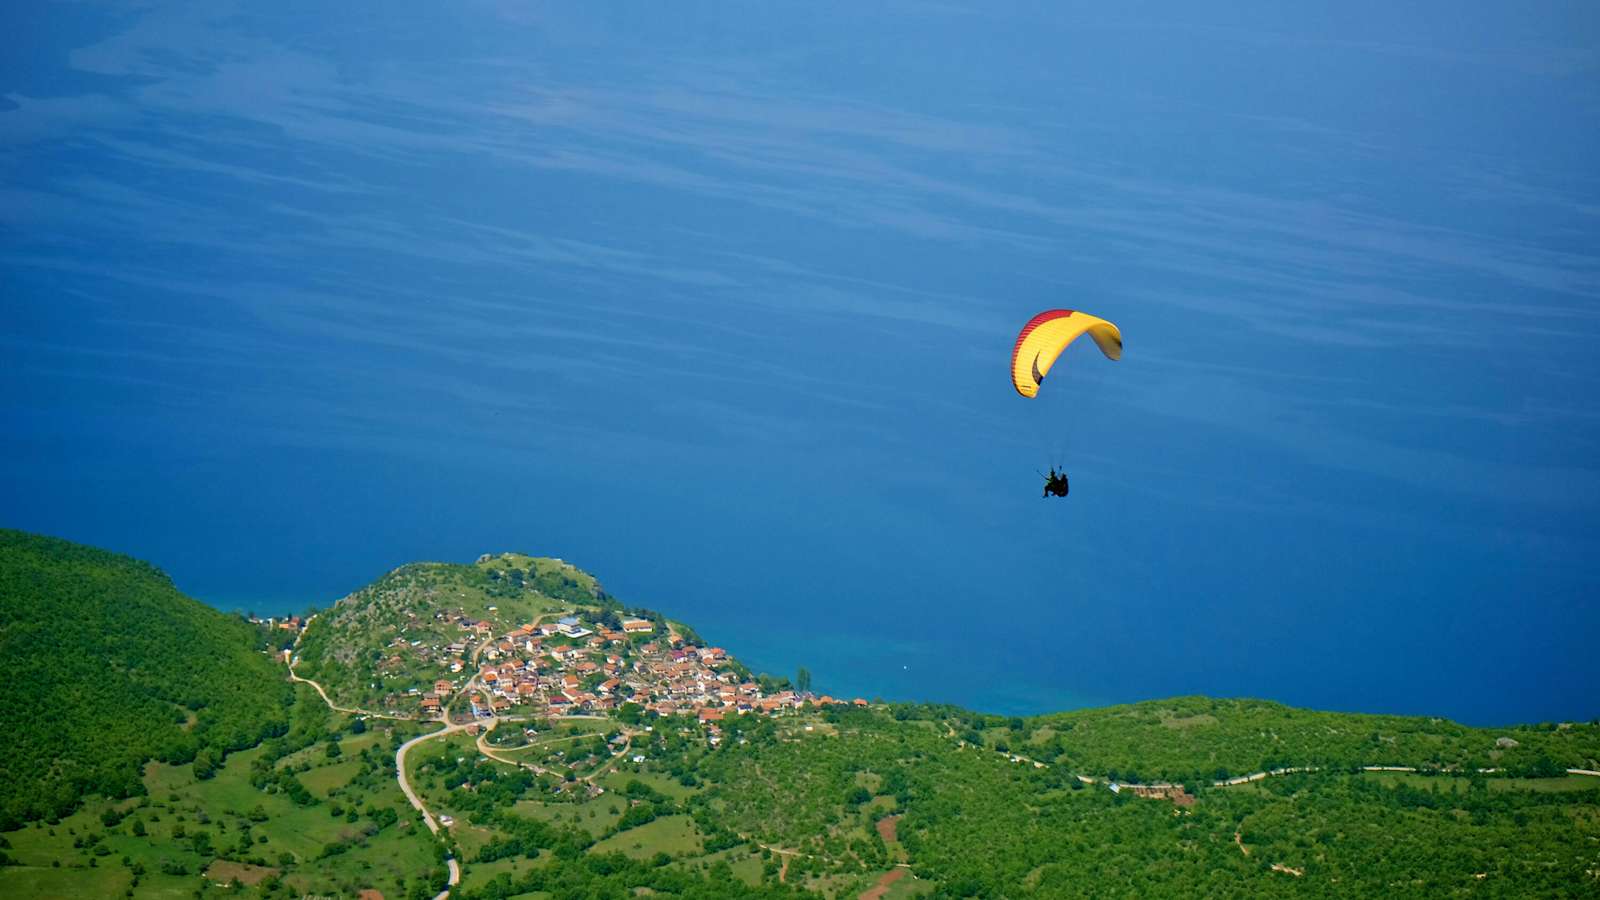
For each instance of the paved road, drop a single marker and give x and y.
(405, 784)
(405, 748)
(455, 878)
(411, 795)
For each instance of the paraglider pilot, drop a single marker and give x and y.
(1055, 483)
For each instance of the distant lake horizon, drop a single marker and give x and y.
(941, 667)
(719, 302)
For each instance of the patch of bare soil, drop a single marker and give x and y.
(882, 887)
(224, 872)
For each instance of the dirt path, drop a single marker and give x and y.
(345, 709)
(886, 829)
(1238, 838)
(1293, 770)
(616, 758)
(324, 694)
(787, 855)
(605, 767)
(494, 754)
(486, 750)
(882, 887)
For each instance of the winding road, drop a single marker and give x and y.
(399, 763)
(488, 723)
(411, 795)
(405, 783)
(1240, 779)
(344, 709)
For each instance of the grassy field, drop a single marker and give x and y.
(834, 887)
(477, 875)
(908, 887)
(665, 784)
(541, 749)
(225, 872)
(746, 865)
(72, 882)
(349, 745)
(184, 827)
(468, 837)
(674, 835)
(595, 815)
(324, 779)
(744, 861)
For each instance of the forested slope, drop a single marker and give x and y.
(976, 820)
(107, 666)
(1202, 738)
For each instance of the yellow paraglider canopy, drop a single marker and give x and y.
(1045, 337)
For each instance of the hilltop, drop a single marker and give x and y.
(386, 645)
(108, 665)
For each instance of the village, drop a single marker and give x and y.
(597, 665)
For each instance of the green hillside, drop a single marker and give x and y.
(394, 635)
(991, 807)
(1183, 797)
(108, 666)
(1203, 738)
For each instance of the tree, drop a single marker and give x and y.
(802, 679)
(206, 763)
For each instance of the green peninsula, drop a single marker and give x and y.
(506, 728)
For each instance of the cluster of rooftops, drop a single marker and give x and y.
(569, 667)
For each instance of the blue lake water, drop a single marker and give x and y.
(717, 302)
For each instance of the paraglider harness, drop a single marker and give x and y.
(1055, 483)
